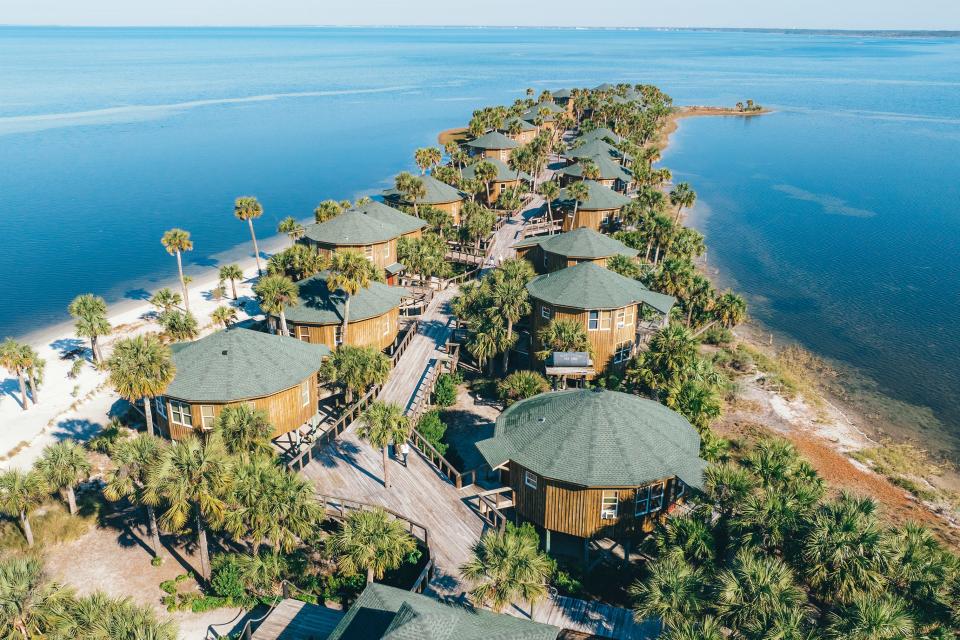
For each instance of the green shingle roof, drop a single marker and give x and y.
(561, 93)
(238, 364)
(600, 133)
(530, 114)
(582, 243)
(504, 172)
(590, 286)
(437, 192)
(599, 198)
(382, 613)
(493, 140)
(609, 169)
(351, 227)
(606, 86)
(524, 125)
(386, 214)
(592, 149)
(318, 305)
(596, 438)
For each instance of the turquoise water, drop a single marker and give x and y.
(837, 215)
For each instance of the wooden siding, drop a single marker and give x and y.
(378, 331)
(285, 410)
(589, 218)
(497, 186)
(453, 208)
(500, 154)
(523, 137)
(547, 262)
(381, 253)
(576, 510)
(613, 183)
(604, 340)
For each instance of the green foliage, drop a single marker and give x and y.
(432, 428)
(445, 390)
(520, 385)
(227, 577)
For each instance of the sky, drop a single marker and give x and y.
(806, 14)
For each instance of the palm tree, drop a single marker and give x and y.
(508, 566)
(728, 311)
(327, 210)
(727, 487)
(246, 431)
(30, 605)
(427, 157)
(63, 465)
(276, 293)
(707, 628)
(521, 385)
(699, 403)
(682, 196)
(224, 315)
(248, 208)
(563, 334)
(384, 424)
(178, 325)
(673, 591)
(20, 492)
(35, 366)
(90, 315)
(13, 358)
(99, 616)
(132, 459)
(192, 481)
(231, 272)
(488, 337)
(667, 361)
(350, 272)
(579, 192)
(373, 542)
(755, 591)
(356, 368)
(412, 189)
(872, 617)
(176, 242)
(485, 172)
(550, 191)
(292, 228)
(140, 368)
(508, 294)
(165, 300)
(688, 537)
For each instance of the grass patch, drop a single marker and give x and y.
(52, 524)
(904, 465)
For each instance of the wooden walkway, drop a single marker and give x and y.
(594, 618)
(295, 620)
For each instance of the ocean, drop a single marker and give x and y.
(837, 215)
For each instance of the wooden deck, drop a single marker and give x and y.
(295, 620)
(594, 618)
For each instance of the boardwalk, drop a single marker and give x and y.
(296, 620)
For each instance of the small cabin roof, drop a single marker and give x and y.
(593, 148)
(524, 125)
(606, 86)
(530, 114)
(589, 286)
(596, 438)
(599, 198)
(388, 215)
(237, 364)
(437, 192)
(561, 93)
(609, 170)
(493, 140)
(383, 612)
(318, 305)
(504, 172)
(600, 133)
(581, 243)
(351, 228)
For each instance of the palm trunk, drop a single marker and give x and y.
(72, 500)
(153, 530)
(386, 477)
(487, 186)
(704, 328)
(646, 256)
(369, 575)
(27, 529)
(95, 350)
(23, 391)
(148, 414)
(676, 218)
(506, 352)
(183, 283)
(689, 313)
(256, 249)
(233, 285)
(204, 549)
(34, 387)
(346, 318)
(284, 331)
(656, 255)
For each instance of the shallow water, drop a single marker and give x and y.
(837, 215)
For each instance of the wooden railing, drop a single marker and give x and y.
(340, 508)
(348, 417)
(489, 504)
(459, 279)
(539, 228)
(404, 342)
(417, 304)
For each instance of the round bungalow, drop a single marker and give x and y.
(563, 98)
(588, 463)
(610, 173)
(600, 211)
(525, 131)
(611, 307)
(602, 134)
(552, 253)
(317, 317)
(438, 194)
(240, 366)
(549, 117)
(505, 178)
(591, 149)
(493, 144)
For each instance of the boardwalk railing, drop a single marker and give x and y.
(540, 228)
(489, 504)
(404, 342)
(347, 418)
(417, 304)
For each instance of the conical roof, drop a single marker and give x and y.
(592, 148)
(583, 243)
(596, 438)
(437, 192)
(493, 140)
(388, 215)
(504, 172)
(599, 198)
(609, 170)
(319, 305)
(351, 228)
(590, 286)
(600, 133)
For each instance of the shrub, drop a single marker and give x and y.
(157, 561)
(169, 586)
(227, 580)
(445, 391)
(718, 336)
(432, 428)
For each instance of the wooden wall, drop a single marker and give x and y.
(523, 137)
(613, 183)
(604, 340)
(589, 218)
(379, 331)
(381, 253)
(453, 208)
(496, 187)
(500, 154)
(575, 510)
(284, 409)
(554, 261)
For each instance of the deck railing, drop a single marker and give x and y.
(489, 504)
(404, 342)
(347, 418)
(539, 228)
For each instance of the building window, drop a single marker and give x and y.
(338, 335)
(206, 416)
(622, 354)
(303, 333)
(642, 502)
(594, 321)
(621, 318)
(546, 262)
(679, 488)
(608, 505)
(180, 413)
(530, 479)
(386, 250)
(161, 405)
(386, 325)
(545, 312)
(305, 392)
(368, 252)
(656, 497)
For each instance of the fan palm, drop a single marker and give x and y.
(350, 272)
(140, 368)
(580, 193)
(249, 208)
(63, 465)
(165, 300)
(13, 358)
(563, 334)
(132, 460)
(90, 315)
(384, 424)
(292, 228)
(727, 487)
(99, 616)
(276, 293)
(176, 242)
(521, 385)
(372, 542)
(246, 431)
(510, 297)
(699, 403)
(224, 315)
(689, 537)
(485, 172)
(755, 591)
(412, 189)
(20, 493)
(550, 191)
(427, 157)
(682, 196)
(326, 210)
(356, 368)
(707, 628)
(35, 366)
(673, 591)
(667, 360)
(30, 605)
(488, 337)
(728, 310)
(872, 617)
(192, 481)
(178, 326)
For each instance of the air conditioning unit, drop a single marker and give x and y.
(608, 515)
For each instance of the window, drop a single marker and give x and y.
(594, 322)
(545, 312)
(180, 413)
(656, 497)
(605, 318)
(642, 502)
(303, 333)
(530, 479)
(621, 318)
(546, 263)
(305, 392)
(386, 325)
(206, 416)
(368, 252)
(386, 250)
(338, 335)
(161, 405)
(608, 505)
(679, 488)
(622, 354)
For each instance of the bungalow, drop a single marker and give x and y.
(240, 366)
(591, 462)
(600, 133)
(526, 133)
(609, 306)
(552, 253)
(356, 231)
(317, 317)
(409, 226)
(551, 109)
(438, 194)
(600, 211)
(592, 149)
(493, 144)
(563, 98)
(610, 173)
(506, 177)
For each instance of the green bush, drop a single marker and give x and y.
(168, 586)
(445, 391)
(718, 335)
(156, 561)
(432, 428)
(227, 580)
(207, 603)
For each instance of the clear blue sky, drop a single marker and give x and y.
(806, 14)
